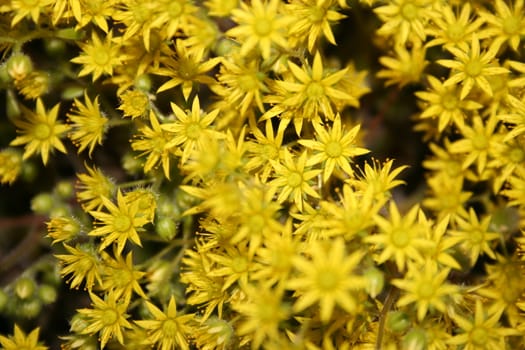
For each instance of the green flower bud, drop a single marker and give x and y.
(30, 308)
(398, 321)
(65, 189)
(72, 92)
(69, 34)
(42, 203)
(375, 281)
(25, 288)
(131, 164)
(55, 47)
(19, 66)
(29, 171)
(166, 228)
(416, 339)
(47, 293)
(143, 83)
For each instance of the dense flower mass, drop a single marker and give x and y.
(239, 189)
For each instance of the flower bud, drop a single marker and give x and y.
(42, 203)
(55, 47)
(416, 339)
(166, 228)
(65, 189)
(29, 308)
(375, 281)
(19, 66)
(24, 288)
(143, 82)
(47, 293)
(398, 321)
(4, 299)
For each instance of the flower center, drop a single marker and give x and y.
(449, 101)
(169, 327)
(327, 280)
(479, 337)
(101, 57)
(476, 237)
(122, 223)
(193, 131)
(262, 26)
(270, 151)
(473, 67)
(295, 179)
(400, 238)
(409, 11)
(314, 90)
(455, 31)
(426, 290)
(142, 12)
(30, 3)
(333, 149)
(175, 9)
(256, 223)
(517, 155)
(480, 142)
(248, 82)
(109, 317)
(511, 25)
(239, 264)
(316, 14)
(42, 131)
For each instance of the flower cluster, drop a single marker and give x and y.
(226, 191)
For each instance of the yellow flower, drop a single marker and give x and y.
(121, 278)
(221, 8)
(22, 341)
(471, 67)
(426, 287)
(83, 264)
(120, 224)
(327, 278)
(134, 103)
(40, 132)
(311, 18)
(185, 69)
(259, 25)
(405, 19)
(505, 24)
(335, 147)
(311, 96)
(88, 124)
(10, 165)
(405, 67)
(99, 57)
(446, 196)
(107, 317)
(481, 332)
(152, 141)
(475, 235)
(234, 264)
(451, 30)
(62, 229)
(191, 128)
(167, 330)
(444, 104)
(262, 313)
(292, 178)
(400, 238)
(92, 187)
(31, 8)
(90, 11)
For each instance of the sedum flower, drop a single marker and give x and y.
(40, 131)
(293, 178)
(426, 287)
(120, 224)
(400, 238)
(483, 331)
(326, 278)
(24, 8)
(107, 316)
(134, 103)
(311, 19)
(62, 229)
(22, 341)
(471, 67)
(83, 264)
(152, 141)
(99, 57)
(335, 147)
(10, 165)
(92, 187)
(88, 124)
(405, 67)
(505, 24)
(167, 330)
(120, 277)
(260, 24)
